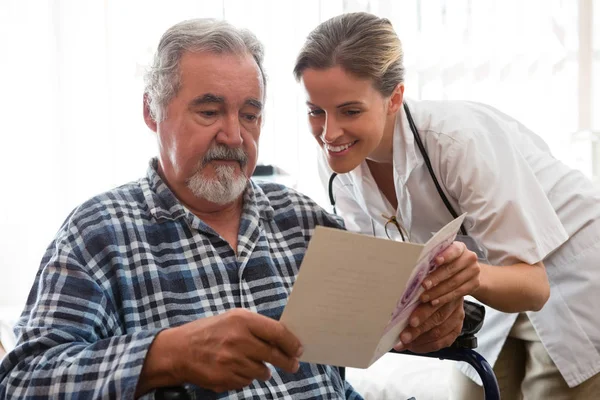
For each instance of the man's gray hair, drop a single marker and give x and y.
(196, 35)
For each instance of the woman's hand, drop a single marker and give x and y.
(457, 275)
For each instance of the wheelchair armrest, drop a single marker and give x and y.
(468, 341)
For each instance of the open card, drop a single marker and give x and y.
(354, 293)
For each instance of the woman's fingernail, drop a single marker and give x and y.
(414, 322)
(428, 284)
(435, 302)
(406, 337)
(439, 260)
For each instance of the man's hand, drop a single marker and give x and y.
(432, 328)
(457, 275)
(220, 353)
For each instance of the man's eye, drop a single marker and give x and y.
(315, 112)
(250, 117)
(208, 113)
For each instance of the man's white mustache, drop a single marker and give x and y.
(221, 152)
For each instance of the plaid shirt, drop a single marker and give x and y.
(133, 261)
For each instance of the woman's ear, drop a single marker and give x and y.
(396, 99)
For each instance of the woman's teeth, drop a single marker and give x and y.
(337, 149)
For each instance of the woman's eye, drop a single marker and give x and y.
(315, 113)
(352, 113)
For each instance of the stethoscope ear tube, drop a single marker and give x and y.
(331, 198)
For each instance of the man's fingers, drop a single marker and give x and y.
(234, 382)
(267, 340)
(439, 344)
(251, 369)
(264, 373)
(234, 378)
(275, 333)
(271, 341)
(423, 319)
(278, 359)
(440, 336)
(426, 317)
(260, 351)
(444, 336)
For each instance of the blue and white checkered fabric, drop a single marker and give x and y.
(133, 261)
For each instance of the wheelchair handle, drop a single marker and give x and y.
(484, 369)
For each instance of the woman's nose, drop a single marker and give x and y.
(331, 131)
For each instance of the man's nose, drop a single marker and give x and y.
(231, 133)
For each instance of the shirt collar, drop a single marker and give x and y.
(257, 202)
(164, 205)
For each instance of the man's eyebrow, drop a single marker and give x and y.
(207, 98)
(254, 103)
(210, 98)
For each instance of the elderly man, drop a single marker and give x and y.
(180, 278)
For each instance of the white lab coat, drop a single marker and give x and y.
(521, 203)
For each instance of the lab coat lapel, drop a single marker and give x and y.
(405, 160)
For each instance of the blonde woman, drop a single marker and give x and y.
(534, 223)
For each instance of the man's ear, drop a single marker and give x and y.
(150, 122)
(396, 99)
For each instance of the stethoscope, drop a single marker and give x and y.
(423, 152)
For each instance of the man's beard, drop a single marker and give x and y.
(228, 185)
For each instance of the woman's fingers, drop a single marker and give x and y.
(457, 277)
(449, 268)
(462, 284)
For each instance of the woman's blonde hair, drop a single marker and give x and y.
(362, 44)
